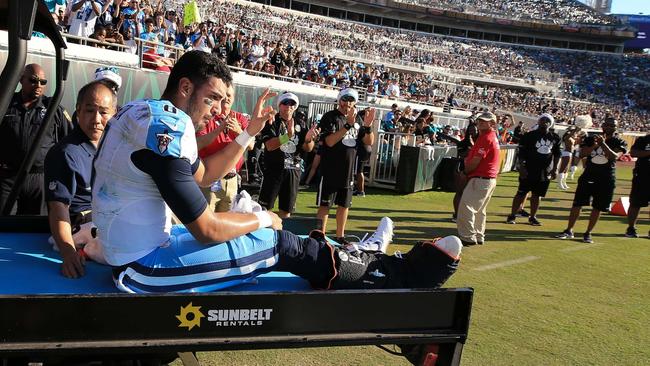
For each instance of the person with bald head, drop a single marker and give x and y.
(19, 126)
(68, 170)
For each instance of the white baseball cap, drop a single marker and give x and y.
(348, 92)
(288, 96)
(549, 117)
(110, 74)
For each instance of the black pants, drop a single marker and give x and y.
(30, 196)
(328, 267)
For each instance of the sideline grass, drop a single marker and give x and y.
(577, 304)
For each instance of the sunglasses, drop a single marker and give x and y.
(288, 102)
(36, 80)
(348, 98)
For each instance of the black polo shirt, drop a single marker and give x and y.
(642, 165)
(19, 128)
(287, 156)
(337, 162)
(68, 168)
(537, 151)
(598, 166)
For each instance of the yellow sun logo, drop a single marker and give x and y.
(190, 316)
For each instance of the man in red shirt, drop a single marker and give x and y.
(481, 168)
(219, 132)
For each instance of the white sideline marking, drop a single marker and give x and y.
(580, 247)
(507, 263)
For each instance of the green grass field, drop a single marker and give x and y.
(565, 303)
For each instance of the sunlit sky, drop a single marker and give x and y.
(631, 7)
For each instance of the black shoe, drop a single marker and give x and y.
(454, 218)
(566, 234)
(480, 242)
(533, 221)
(467, 243)
(511, 219)
(586, 238)
(631, 232)
(359, 193)
(523, 213)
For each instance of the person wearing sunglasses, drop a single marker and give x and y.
(285, 140)
(18, 129)
(340, 129)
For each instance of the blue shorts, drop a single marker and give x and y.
(186, 265)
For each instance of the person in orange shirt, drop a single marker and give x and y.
(481, 169)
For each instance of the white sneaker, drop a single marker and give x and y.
(380, 239)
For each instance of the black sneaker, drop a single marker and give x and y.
(359, 193)
(523, 213)
(566, 234)
(533, 221)
(454, 218)
(631, 232)
(512, 219)
(586, 238)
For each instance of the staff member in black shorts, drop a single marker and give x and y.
(598, 180)
(340, 128)
(538, 155)
(363, 156)
(284, 141)
(640, 193)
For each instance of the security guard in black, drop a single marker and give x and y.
(18, 129)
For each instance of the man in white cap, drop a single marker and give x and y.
(481, 169)
(538, 155)
(110, 76)
(340, 128)
(284, 142)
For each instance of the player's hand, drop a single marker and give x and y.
(313, 133)
(277, 221)
(351, 116)
(553, 175)
(369, 117)
(598, 139)
(73, 263)
(261, 114)
(233, 125)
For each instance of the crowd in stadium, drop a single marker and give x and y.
(555, 11)
(279, 42)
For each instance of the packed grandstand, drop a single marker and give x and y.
(395, 62)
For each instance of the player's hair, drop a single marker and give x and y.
(198, 66)
(88, 88)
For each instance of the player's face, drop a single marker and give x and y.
(609, 127)
(205, 102)
(33, 82)
(287, 108)
(226, 103)
(345, 104)
(94, 112)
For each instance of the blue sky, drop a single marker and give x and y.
(631, 6)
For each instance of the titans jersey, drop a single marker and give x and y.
(131, 216)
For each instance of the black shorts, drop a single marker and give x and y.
(640, 193)
(283, 183)
(598, 193)
(359, 164)
(537, 187)
(326, 195)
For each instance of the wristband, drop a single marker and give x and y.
(263, 218)
(244, 139)
(283, 139)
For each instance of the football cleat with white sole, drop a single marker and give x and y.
(379, 240)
